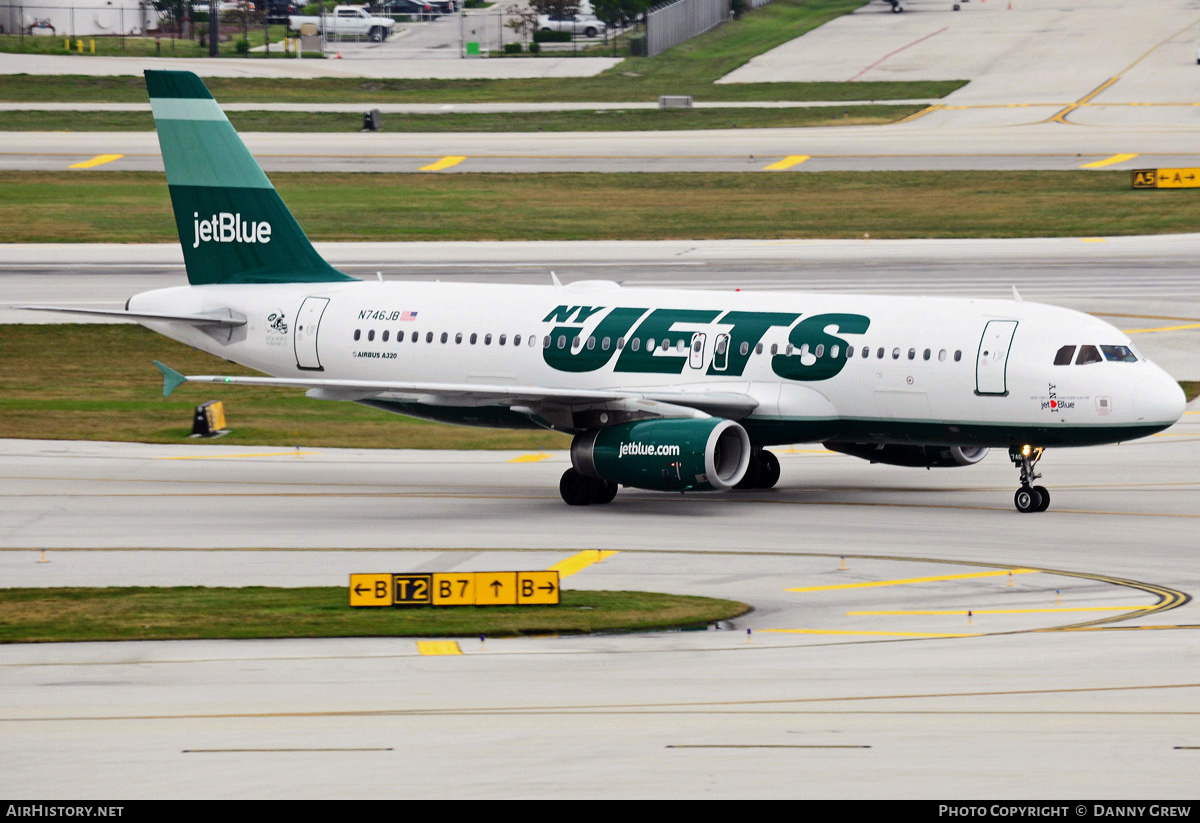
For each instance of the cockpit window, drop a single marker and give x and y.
(1087, 354)
(1063, 358)
(1119, 354)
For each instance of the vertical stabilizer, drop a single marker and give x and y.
(232, 225)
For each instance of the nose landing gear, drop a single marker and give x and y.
(1029, 498)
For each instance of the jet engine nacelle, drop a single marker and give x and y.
(917, 456)
(666, 455)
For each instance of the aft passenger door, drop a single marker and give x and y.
(991, 365)
(308, 322)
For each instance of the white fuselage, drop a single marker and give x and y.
(934, 370)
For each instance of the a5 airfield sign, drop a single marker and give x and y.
(455, 589)
(1166, 178)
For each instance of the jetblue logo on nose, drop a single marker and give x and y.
(225, 227)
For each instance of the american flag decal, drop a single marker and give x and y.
(408, 315)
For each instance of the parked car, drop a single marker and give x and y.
(589, 25)
(413, 8)
(347, 20)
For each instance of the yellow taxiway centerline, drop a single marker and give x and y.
(530, 458)
(1108, 161)
(869, 634)
(912, 580)
(787, 162)
(98, 160)
(578, 562)
(438, 647)
(1162, 328)
(444, 163)
(962, 612)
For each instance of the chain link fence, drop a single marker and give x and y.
(668, 24)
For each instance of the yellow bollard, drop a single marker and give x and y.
(92, 43)
(1010, 579)
(43, 560)
(66, 44)
(1057, 597)
(79, 45)
(970, 620)
(842, 567)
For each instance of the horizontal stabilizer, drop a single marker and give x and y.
(223, 319)
(171, 378)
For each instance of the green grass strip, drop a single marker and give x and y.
(689, 68)
(56, 615)
(133, 207)
(96, 382)
(551, 121)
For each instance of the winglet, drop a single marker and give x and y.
(171, 378)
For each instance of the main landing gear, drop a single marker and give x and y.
(762, 473)
(1029, 498)
(580, 490)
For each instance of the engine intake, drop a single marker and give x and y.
(666, 455)
(917, 456)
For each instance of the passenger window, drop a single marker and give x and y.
(357, 333)
(562, 341)
(942, 356)
(1119, 354)
(385, 335)
(474, 337)
(1087, 354)
(896, 354)
(879, 352)
(1064, 355)
(912, 354)
(591, 343)
(744, 349)
(926, 354)
(620, 343)
(774, 348)
(788, 350)
(504, 337)
(605, 343)
(866, 352)
(445, 336)
(636, 344)
(849, 352)
(820, 352)
(957, 355)
(487, 340)
(650, 344)
(371, 334)
(575, 342)
(458, 339)
(758, 349)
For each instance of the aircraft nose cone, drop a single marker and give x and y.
(1158, 399)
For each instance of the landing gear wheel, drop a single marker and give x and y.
(605, 492)
(1027, 500)
(1045, 495)
(576, 489)
(770, 471)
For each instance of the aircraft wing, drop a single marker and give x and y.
(731, 405)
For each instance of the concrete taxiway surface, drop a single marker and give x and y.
(865, 681)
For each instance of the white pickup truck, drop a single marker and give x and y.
(347, 20)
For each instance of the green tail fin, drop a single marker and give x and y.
(232, 225)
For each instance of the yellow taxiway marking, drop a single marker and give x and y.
(579, 562)
(870, 634)
(438, 647)
(530, 458)
(444, 163)
(98, 160)
(1108, 161)
(912, 580)
(1093, 239)
(1163, 328)
(787, 162)
(230, 456)
(1007, 611)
